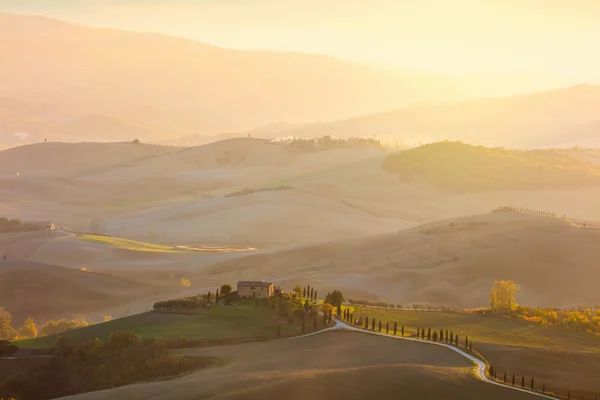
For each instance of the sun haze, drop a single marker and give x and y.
(457, 37)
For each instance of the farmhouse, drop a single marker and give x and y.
(260, 289)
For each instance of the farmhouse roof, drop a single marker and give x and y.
(254, 283)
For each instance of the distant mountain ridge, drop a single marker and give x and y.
(178, 87)
(546, 119)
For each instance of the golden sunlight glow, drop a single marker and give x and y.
(455, 37)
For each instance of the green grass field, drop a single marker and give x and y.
(485, 329)
(219, 323)
(156, 248)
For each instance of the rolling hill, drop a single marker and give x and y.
(459, 167)
(543, 119)
(44, 291)
(451, 262)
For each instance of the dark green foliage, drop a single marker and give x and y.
(451, 337)
(308, 291)
(315, 296)
(226, 289)
(379, 325)
(423, 333)
(312, 293)
(183, 303)
(456, 340)
(491, 372)
(522, 381)
(434, 336)
(395, 328)
(418, 333)
(466, 342)
(303, 292)
(446, 336)
(402, 331)
(513, 380)
(441, 335)
(387, 328)
(428, 333)
(217, 294)
(120, 360)
(373, 324)
(339, 309)
(366, 322)
(335, 298)
(532, 383)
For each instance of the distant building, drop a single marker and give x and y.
(258, 289)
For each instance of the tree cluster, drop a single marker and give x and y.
(120, 360)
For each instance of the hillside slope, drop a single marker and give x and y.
(70, 159)
(459, 167)
(452, 262)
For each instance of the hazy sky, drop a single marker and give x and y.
(442, 36)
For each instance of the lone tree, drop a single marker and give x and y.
(297, 290)
(503, 296)
(226, 289)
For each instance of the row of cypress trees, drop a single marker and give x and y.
(493, 374)
(310, 293)
(442, 336)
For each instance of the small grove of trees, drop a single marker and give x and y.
(120, 360)
(63, 325)
(11, 225)
(503, 296)
(335, 298)
(226, 289)
(184, 303)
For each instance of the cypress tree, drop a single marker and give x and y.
(387, 328)
(522, 381)
(339, 310)
(513, 380)
(456, 340)
(402, 330)
(217, 294)
(471, 346)
(373, 324)
(466, 342)
(352, 318)
(304, 292)
(544, 388)
(446, 336)
(451, 337)
(418, 333)
(395, 328)
(532, 381)
(315, 295)
(367, 323)
(505, 377)
(379, 326)
(423, 333)
(307, 291)
(435, 336)
(441, 335)
(312, 293)
(429, 334)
